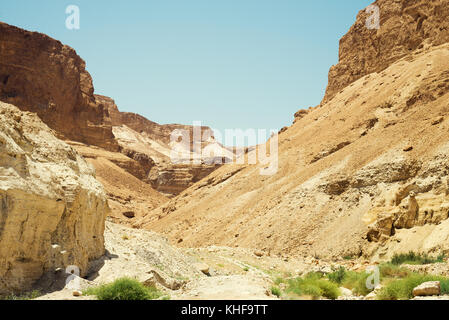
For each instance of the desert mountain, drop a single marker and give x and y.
(364, 173)
(150, 144)
(131, 154)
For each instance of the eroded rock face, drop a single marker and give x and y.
(41, 75)
(405, 26)
(149, 144)
(52, 207)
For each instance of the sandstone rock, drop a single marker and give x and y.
(405, 26)
(204, 268)
(258, 253)
(41, 75)
(431, 288)
(51, 203)
(163, 280)
(77, 293)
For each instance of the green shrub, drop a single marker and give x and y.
(314, 285)
(338, 275)
(389, 270)
(415, 258)
(403, 288)
(26, 296)
(356, 281)
(124, 289)
(276, 291)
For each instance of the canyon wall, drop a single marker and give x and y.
(53, 209)
(404, 27)
(363, 174)
(41, 75)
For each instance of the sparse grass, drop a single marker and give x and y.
(356, 281)
(220, 265)
(415, 258)
(338, 275)
(26, 296)
(389, 270)
(403, 288)
(314, 285)
(124, 289)
(276, 291)
(348, 257)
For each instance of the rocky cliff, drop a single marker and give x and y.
(53, 209)
(149, 144)
(405, 26)
(39, 74)
(363, 174)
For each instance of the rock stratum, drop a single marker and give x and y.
(150, 144)
(405, 27)
(363, 174)
(41, 75)
(53, 209)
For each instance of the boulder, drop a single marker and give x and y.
(53, 209)
(204, 268)
(431, 288)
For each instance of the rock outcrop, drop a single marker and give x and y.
(53, 209)
(41, 75)
(405, 26)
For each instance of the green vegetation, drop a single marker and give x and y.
(403, 288)
(26, 296)
(397, 281)
(124, 289)
(337, 276)
(356, 281)
(276, 291)
(415, 258)
(314, 285)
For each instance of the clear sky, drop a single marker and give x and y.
(228, 63)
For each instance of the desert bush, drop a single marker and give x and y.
(124, 289)
(415, 258)
(389, 270)
(26, 296)
(356, 281)
(403, 288)
(314, 285)
(338, 275)
(276, 291)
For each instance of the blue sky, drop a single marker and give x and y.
(228, 63)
